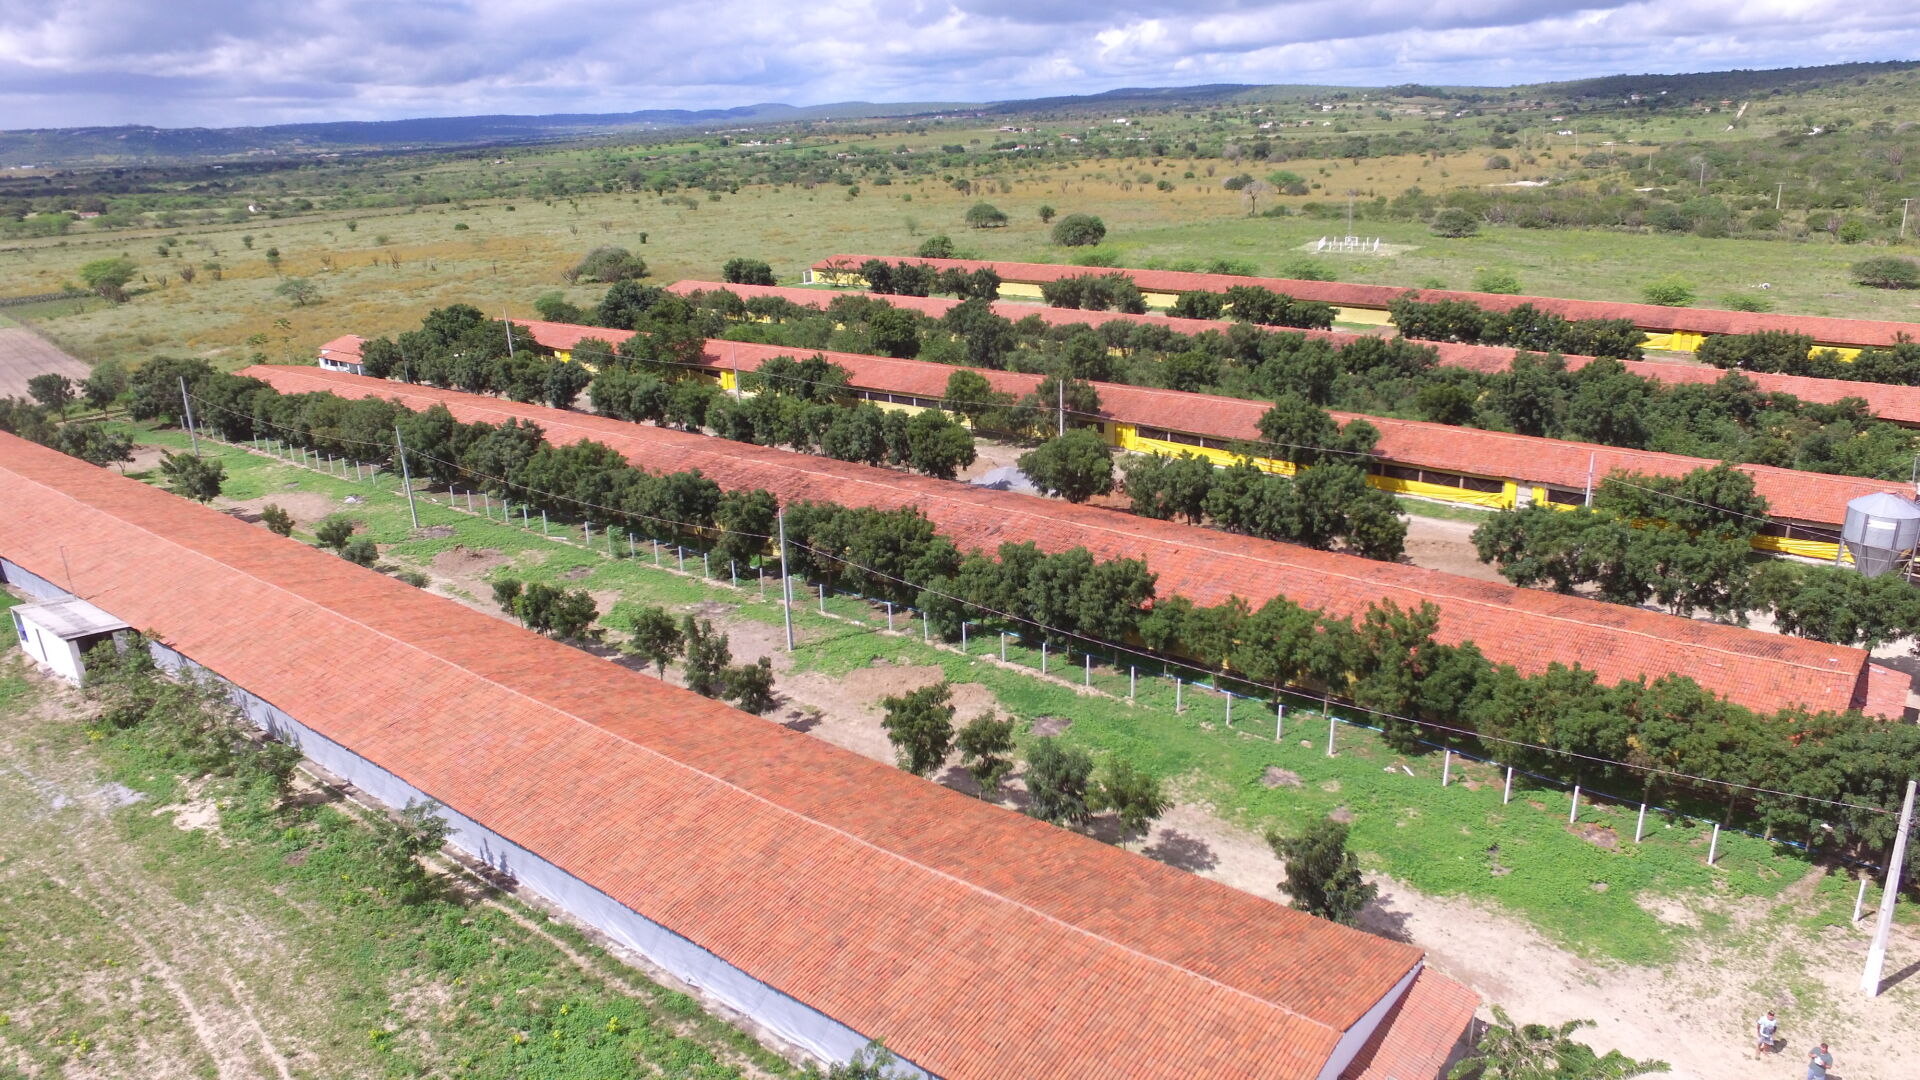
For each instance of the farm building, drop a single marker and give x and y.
(1896, 404)
(828, 898)
(1527, 628)
(59, 633)
(1462, 465)
(1676, 329)
(342, 354)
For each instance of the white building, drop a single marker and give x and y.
(58, 633)
(343, 354)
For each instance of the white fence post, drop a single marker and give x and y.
(1446, 769)
(1043, 658)
(1133, 679)
(1176, 695)
(889, 616)
(1573, 815)
(1713, 849)
(1086, 678)
(1860, 900)
(1279, 719)
(1330, 722)
(1507, 795)
(1229, 710)
(1640, 828)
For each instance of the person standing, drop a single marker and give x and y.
(1818, 1062)
(1764, 1029)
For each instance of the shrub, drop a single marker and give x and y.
(1887, 272)
(1496, 279)
(276, 519)
(1499, 161)
(360, 551)
(985, 216)
(1669, 291)
(1455, 222)
(937, 247)
(747, 272)
(1079, 230)
(1046, 214)
(608, 264)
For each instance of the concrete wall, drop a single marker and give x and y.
(787, 1017)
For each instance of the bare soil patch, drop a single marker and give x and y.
(305, 507)
(1598, 835)
(1446, 545)
(1051, 725)
(1275, 776)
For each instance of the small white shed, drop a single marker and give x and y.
(58, 633)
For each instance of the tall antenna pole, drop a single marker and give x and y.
(406, 478)
(786, 583)
(1877, 952)
(186, 407)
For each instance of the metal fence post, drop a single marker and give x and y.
(1860, 900)
(963, 635)
(823, 599)
(1086, 678)
(1640, 827)
(1574, 814)
(889, 616)
(1176, 695)
(1713, 849)
(1229, 709)
(1279, 719)
(1331, 720)
(1446, 769)
(1507, 795)
(1133, 680)
(1043, 658)
(1003, 646)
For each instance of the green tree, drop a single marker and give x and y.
(94, 444)
(894, 332)
(105, 384)
(985, 216)
(1323, 877)
(937, 446)
(872, 1062)
(740, 271)
(707, 656)
(1510, 1051)
(506, 593)
(1133, 794)
(193, 477)
(1059, 779)
(299, 290)
(401, 841)
(937, 246)
(109, 277)
(750, 686)
(655, 636)
(970, 395)
(1075, 466)
(919, 724)
(276, 519)
(51, 389)
(361, 551)
(986, 751)
(334, 532)
(1046, 214)
(1079, 230)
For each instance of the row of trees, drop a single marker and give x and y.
(1254, 304)
(1523, 327)
(1095, 292)
(1685, 543)
(1601, 402)
(887, 277)
(1793, 354)
(1385, 658)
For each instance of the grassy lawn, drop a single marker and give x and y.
(1586, 886)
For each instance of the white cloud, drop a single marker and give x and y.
(232, 62)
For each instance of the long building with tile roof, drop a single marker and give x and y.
(1471, 466)
(827, 897)
(1527, 628)
(1682, 327)
(1897, 404)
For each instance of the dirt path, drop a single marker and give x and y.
(1446, 545)
(24, 354)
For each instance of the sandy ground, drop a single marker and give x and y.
(24, 354)
(1446, 545)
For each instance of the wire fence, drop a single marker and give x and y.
(1113, 673)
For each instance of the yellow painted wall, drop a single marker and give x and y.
(1019, 290)
(1369, 316)
(1160, 299)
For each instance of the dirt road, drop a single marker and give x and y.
(24, 354)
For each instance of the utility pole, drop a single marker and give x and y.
(786, 583)
(406, 478)
(1905, 205)
(1061, 386)
(186, 406)
(508, 323)
(1877, 952)
(1777, 189)
(1590, 463)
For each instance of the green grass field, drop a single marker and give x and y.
(1587, 887)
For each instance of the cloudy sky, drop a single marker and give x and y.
(236, 62)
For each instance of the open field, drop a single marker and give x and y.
(24, 354)
(1646, 938)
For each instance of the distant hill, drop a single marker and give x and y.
(115, 145)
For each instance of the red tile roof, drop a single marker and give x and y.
(1527, 628)
(344, 349)
(882, 900)
(1828, 331)
(1794, 494)
(1900, 404)
(1416, 1040)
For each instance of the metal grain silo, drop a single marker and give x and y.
(1881, 530)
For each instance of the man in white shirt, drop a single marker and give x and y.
(1763, 1031)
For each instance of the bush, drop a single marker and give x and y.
(1499, 161)
(937, 247)
(608, 264)
(747, 272)
(1743, 302)
(1454, 222)
(1079, 230)
(360, 551)
(985, 216)
(1853, 231)
(1496, 279)
(1669, 291)
(1887, 272)
(277, 520)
